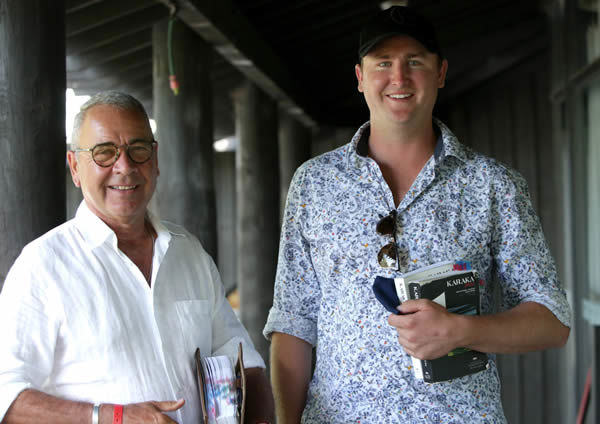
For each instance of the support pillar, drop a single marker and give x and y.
(294, 150)
(257, 186)
(32, 123)
(185, 192)
(226, 218)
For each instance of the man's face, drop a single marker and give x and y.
(400, 80)
(119, 193)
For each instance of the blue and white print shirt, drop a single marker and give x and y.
(462, 206)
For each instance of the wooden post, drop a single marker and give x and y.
(257, 176)
(185, 191)
(32, 123)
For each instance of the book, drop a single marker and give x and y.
(423, 275)
(455, 287)
(222, 386)
(426, 274)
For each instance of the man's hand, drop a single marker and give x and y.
(426, 330)
(147, 412)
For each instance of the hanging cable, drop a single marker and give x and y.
(172, 77)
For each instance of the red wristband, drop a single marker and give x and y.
(118, 414)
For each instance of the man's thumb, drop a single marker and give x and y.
(169, 405)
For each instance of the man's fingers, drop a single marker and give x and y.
(401, 321)
(410, 306)
(169, 405)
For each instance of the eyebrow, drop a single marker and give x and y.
(133, 140)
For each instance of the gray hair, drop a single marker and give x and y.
(111, 98)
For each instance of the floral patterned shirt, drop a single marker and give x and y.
(462, 206)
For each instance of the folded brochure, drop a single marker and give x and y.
(222, 387)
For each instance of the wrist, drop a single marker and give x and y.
(464, 325)
(117, 414)
(96, 413)
(108, 413)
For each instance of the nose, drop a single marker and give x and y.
(124, 165)
(399, 74)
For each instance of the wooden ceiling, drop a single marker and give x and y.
(301, 52)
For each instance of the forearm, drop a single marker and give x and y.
(291, 360)
(259, 398)
(33, 407)
(525, 328)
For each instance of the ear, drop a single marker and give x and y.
(73, 167)
(442, 76)
(359, 76)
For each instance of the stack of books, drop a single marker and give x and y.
(455, 286)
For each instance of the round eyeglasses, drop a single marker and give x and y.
(106, 154)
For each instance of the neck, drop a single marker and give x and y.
(133, 231)
(401, 155)
(138, 244)
(402, 146)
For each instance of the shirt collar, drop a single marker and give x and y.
(96, 232)
(447, 145)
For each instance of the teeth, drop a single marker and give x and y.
(123, 187)
(399, 96)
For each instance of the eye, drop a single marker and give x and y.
(414, 62)
(104, 152)
(140, 151)
(140, 146)
(386, 64)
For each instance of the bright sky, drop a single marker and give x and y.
(73, 104)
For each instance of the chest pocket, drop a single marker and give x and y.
(195, 323)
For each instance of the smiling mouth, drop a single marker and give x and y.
(399, 96)
(123, 187)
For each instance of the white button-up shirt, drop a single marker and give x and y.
(79, 321)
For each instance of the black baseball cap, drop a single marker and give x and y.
(397, 20)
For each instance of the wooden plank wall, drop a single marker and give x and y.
(510, 118)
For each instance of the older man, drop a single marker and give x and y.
(101, 316)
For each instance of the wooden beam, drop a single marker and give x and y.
(75, 5)
(473, 52)
(580, 79)
(114, 67)
(141, 85)
(136, 72)
(112, 31)
(114, 50)
(98, 74)
(493, 66)
(101, 13)
(485, 18)
(338, 20)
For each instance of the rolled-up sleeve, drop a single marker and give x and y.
(525, 266)
(297, 291)
(29, 323)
